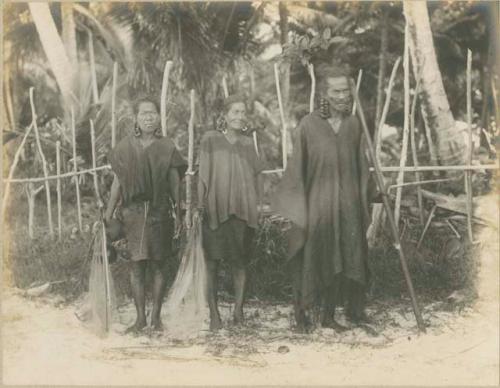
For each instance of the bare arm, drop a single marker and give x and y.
(174, 185)
(113, 198)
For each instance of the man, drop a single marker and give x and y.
(324, 194)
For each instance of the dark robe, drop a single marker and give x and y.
(324, 193)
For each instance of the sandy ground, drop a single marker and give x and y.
(45, 344)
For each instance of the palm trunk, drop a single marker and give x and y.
(435, 107)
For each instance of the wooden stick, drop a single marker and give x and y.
(495, 96)
(310, 67)
(450, 224)
(189, 173)
(75, 171)
(468, 174)
(13, 168)
(58, 170)
(224, 87)
(358, 84)
(406, 127)
(282, 116)
(385, 110)
(31, 193)
(419, 183)
(100, 204)
(390, 216)
(93, 73)
(427, 224)
(439, 168)
(44, 163)
(113, 105)
(414, 150)
(163, 101)
(65, 175)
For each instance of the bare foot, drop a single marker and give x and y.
(238, 317)
(215, 323)
(136, 327)
(333, 324)
(157, 325)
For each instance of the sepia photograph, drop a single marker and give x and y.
(250, 193)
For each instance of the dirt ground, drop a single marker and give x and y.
(44, 343)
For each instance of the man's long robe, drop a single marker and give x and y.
(324, 192)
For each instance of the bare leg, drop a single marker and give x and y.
(137, 280)
(215, 321)
(239, 281)
(158, 293)
(300, 315)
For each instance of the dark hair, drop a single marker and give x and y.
(137, 103)
(233, 99)
(326, 70)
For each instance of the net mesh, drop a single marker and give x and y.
(186, 305)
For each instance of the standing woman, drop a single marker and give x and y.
(147, 169)
(229, 189)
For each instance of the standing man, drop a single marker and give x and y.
(324, 194)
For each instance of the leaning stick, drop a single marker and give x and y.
(58, 171)
(100, 204)
(358, 84)
(404, 149)
(113, 105)
(13, 168)
(310, 67)
(75, 171)
(93, 73)
(282, 116)
(189, 173)
(414, 150)
(385, 110)
(164, 90)
(381, 187)
(427, 224)
(44, 163)
(468, 174)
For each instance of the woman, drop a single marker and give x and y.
(147, 169)
(229, 188)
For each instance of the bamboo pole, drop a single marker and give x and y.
(113, 105)
(310, 67)
(163, 100)
(12, 169)
(282, 116)
(75, 171)
(44, 163)
(468, 174)
(189, 173)
(358, 84)
(385, 110)
(93, 73)
(414, 150)
(59, 207)
(394, 229)
(406, 127)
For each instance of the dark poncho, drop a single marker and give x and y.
(143, 172)
(324, 193)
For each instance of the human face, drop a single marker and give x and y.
(339, 94)
(236, 116)
(148, 118)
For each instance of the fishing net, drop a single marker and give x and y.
(98, 309)
(186, 305)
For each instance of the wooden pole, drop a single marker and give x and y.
(427, 224)
(113, 105)
(12, 169)
(59, 207)
(224, 87)
(93, 73)
(385, 110)
(404, 149)
(394, 229)
(358, 84)
(282, 116)
(44, 163)
(414, 151)
(163, 101)
(189, 173)
(75, 171)
(468, 174)
(310, 67)
(100, 204)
